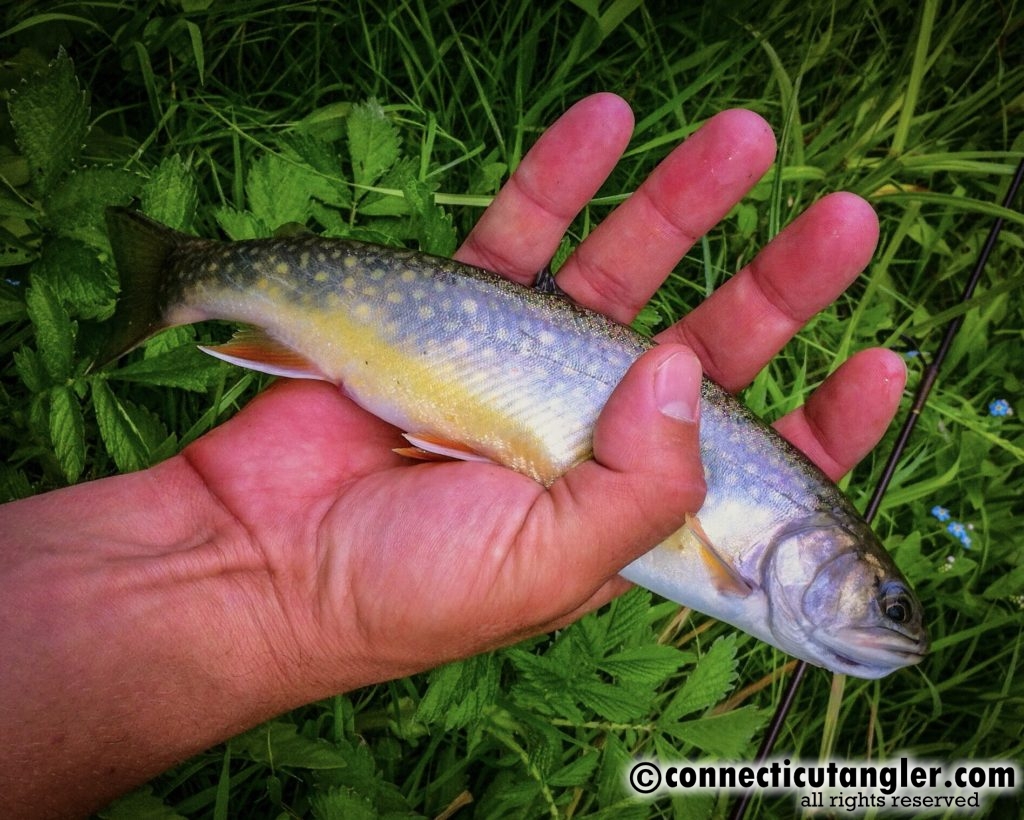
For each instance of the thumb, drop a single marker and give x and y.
(645, 476)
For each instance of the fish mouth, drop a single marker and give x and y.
(872, 652)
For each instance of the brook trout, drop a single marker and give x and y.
(472, 366)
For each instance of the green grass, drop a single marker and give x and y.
(195, 105)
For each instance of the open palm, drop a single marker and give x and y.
(378, 567)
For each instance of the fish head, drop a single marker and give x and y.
(837, 600)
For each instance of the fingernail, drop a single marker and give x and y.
(677, 386)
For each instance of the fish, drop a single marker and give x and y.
(469, 365)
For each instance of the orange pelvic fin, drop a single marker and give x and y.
(254, 349)
(427, 447)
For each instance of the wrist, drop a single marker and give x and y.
(137, 638)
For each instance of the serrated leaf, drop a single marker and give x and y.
(280, 744)
(170, 339)
(78, 279)
(618, 703)
(240, 224)
(277, 190)
(650, 664)
(626, 618)
(75, 209)
(434, 230)
(727, 735)
(139, 805)
(342, 803)
(323, 160)
(577, 772)
(55, 332)
(14, 484)
(121, 434)
(12, 306)
(67, 432)
(372, 142)
(50, 117)
(458, 693)
(708, 683)
(183, 367)
(170, 195)
(30, 370)
(377, 203)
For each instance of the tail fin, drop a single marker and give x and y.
(141, 248)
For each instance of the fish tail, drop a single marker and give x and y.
(142, 248)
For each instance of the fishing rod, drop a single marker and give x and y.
(924, 389)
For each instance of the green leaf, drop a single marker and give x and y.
(139, 805)
(372, 142)
(240, 224)
(727, 735)
(55, 332)
(29, 367)
(184, 367)
(67, 432)
(324, 164)
(12, 306)
(279, 744)
(342, 803)
(577, 772)
(170, 195)
(277, 190)
(119, 429)
(75, 209)
(432, 224)
(458, 693)
(707, 684)
(615, 702)
(50, 116)
(626, 619)
(77, 277)
(650, 664)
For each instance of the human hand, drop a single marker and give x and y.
(377, 568)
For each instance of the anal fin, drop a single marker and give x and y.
(254, 349)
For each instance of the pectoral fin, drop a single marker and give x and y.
(723, 574)
(254, 349)
(434, 448)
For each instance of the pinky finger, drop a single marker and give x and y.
(847, 416)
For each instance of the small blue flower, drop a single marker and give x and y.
(940, 512)
(956, 529)
(1000, 407)
(965, 539)
(912, 354)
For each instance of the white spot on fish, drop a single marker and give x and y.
(370, 290)
(469, 306)
(426, 312)
(363, 311)
(377, 274)
(348, 261)
(394, 297)
(408, 275)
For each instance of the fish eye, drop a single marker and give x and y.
(898, 608)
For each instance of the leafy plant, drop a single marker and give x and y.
(397, 123)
